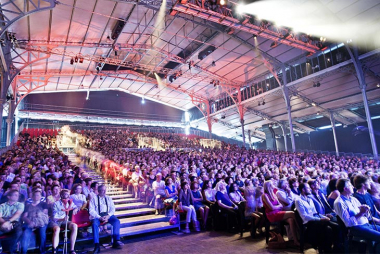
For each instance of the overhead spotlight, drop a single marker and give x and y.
(115, 53)
(308, 61)
(268, 84)
(172, 78)
(222, 2)
(344, 125)
(142, 100)
(263, 103)
(223, 117)
(318, 84)
(258, 104)
(97, 69)
(254, 36)
(76, 59)
(213, 64)
(378, 85)
(72, 61)
(318, 113)
(109, 39)
(313, 104)
(101, 78)
(81, 59)
(99, 65)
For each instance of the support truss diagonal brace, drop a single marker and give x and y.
(10, 7)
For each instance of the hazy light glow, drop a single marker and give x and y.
(329, 126)
(315, 18)
(187, 116)
(159, 25)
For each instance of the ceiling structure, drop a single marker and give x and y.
(187, 54)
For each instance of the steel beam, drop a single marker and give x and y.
(332, 119)
(363, 86)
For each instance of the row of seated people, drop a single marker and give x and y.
(108, 138)
(18, 220)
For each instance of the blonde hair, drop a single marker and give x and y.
(268, 189)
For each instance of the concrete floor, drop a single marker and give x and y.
(204, 242)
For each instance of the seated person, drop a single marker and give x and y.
(353, 213)
(319, 199)
(159, 193)
(198, 203)
(10, 213)
(61, 210)
(13, 186)
(274, 212)
(137, 181)
(171, 193)
(36, 219)
(102, 210)
(224, 202)
(186, 203)
(362, 185)
(253, 204)
(285, 195)
(78, 198)
(319, 230)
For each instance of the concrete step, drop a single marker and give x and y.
(146, 228)
(130, 206)
(115, 197)
(126, 200)
(117, 193)
(135, 212)
(145, 219)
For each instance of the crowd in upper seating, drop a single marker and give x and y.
(108, 140)
(314, 191)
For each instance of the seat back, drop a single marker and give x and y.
(82, 219)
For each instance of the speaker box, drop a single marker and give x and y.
(116, 31)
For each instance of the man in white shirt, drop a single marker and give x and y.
(102, 210)
(353, 213)
(318, 229)
(159, 192)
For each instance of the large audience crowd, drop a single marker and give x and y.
(320, 193)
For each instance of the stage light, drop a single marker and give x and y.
(222, 2)
(254, 36)
(172, 78)
(142, 100)
(240, 9)
(72, 61)
(76, 59)
(313, 104)
(263, 103)
(213, 64)
(81, 59)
